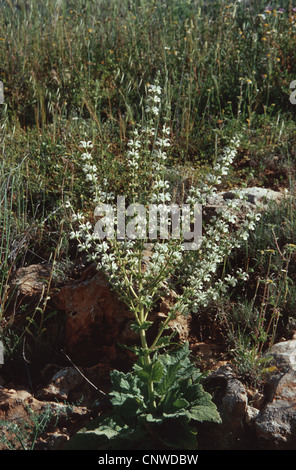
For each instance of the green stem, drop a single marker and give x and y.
(147, 359)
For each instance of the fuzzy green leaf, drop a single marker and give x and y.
(204, 414)
(157, 371)
(180, 399)
(152, 372)
(97, 434)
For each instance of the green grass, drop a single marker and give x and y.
(75, 70)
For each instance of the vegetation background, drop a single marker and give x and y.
(79, 69)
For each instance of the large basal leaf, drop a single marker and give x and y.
(127, 405)
(149, 418)
(180, 397)
(126, 395)
(177, 434)
(97, 434)
(205, 412)
(177, 367)
(125, 383)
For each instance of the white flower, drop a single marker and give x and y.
(154, 89)
(86, 156)
(90, 177)
(156, 99)
(76, 234)
(245, 236)
(85, 144)
(242, 275)
(166, 130)
(163, 142)
(160, 154)
(133, 154)
(231, 280)
(77, 217)
(134, 143)
(133, 163)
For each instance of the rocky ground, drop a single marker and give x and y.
(251, 419)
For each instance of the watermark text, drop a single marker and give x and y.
(1, 93)
(154, 221)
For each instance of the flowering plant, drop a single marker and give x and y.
(142, 268)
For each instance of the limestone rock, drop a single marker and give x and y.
(61, 384)
(95, 319)
(276, 423)
(72, 383)
(230, 397)
(251, 414)
(31, 280)
(234, 400)
(255, 196)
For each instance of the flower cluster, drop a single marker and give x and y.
(220, 169)
(220, 238)
(153, 100)
(133, 152)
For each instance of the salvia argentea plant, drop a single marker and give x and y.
(143, 267)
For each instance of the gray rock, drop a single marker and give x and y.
(233, 400)
(276, 422)
(284, 355)
(61, 385)
(230, 397)
(257, 195)
(32, 280)
(254, 196)
(269, 422)
(251, 414)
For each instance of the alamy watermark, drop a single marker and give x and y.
(150, 222)
(1, 93)
(1, 353)
(292, 97)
